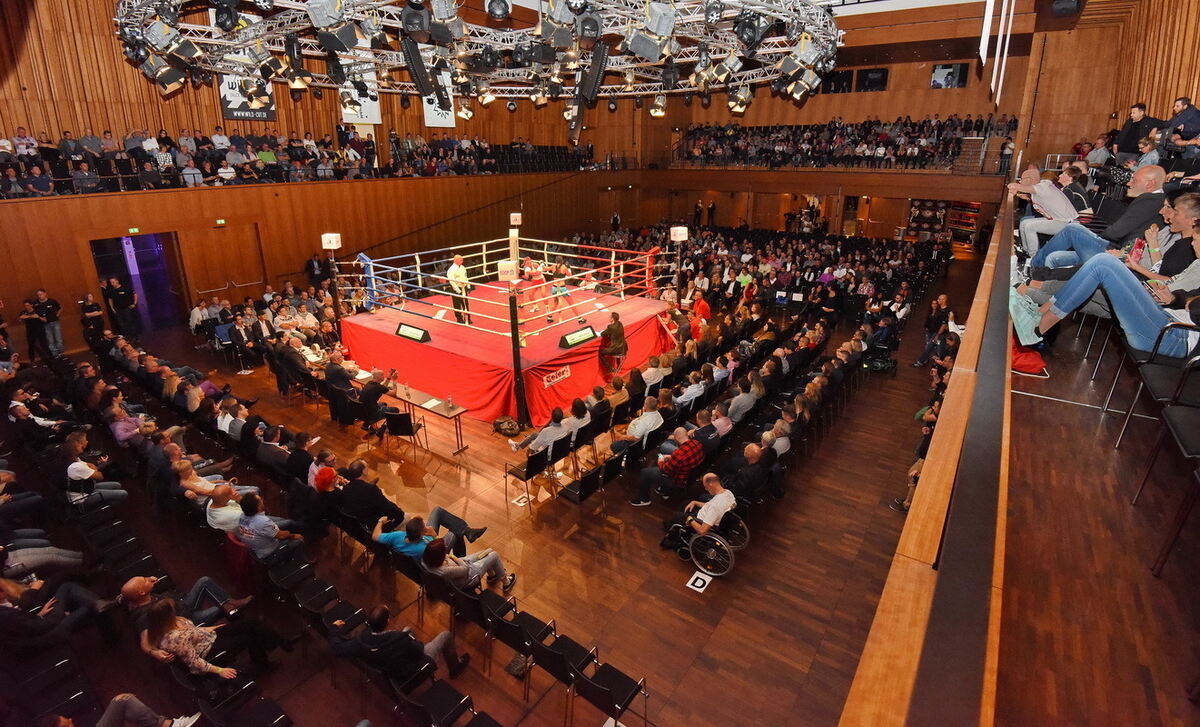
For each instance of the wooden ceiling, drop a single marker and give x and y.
(1105, 12)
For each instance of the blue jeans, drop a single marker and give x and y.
(1140, 314)
(204, 587)
(54, 337)
(1074, 237)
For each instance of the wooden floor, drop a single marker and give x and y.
(774, 643)
(1088, 635)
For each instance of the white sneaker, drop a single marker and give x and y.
(185, 721)
(512, 443)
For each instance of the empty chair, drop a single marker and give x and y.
(610, 690)
(439, 706)
(562, 658)
(517, 630)
(535, 464)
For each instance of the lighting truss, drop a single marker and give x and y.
(775, 57)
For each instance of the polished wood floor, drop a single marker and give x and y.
(776, 642)
(1088, 635)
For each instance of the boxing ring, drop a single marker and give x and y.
(507, 360)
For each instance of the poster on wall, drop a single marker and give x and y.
(368, 110)
(927, 215)
(235, 105)
(435, 115)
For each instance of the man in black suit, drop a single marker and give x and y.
(262, 330)
(312, 268)
(598, 405)
(396, 653)
(613, 346)
(271, 451)
(292, 368)
(369, 397)
(336, 374)
(243, 339)
(363, 500)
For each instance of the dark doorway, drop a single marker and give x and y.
(149, 265)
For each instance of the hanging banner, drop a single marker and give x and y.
(435, 115)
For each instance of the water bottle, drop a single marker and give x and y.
(449, 401)
(407, 391)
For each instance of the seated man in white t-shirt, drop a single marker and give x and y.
(699, 517)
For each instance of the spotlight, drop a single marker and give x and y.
(333, 69)
(740, 99)
(705, 100)
(265, 5)
(670, 76)
(577, 6)
(299, 79)
(318, 93)
(498, 9)
(416, 22)
(324, 13)
(167, 78)
(445, 12)
(637, 102)
(713, 11)
(658, 109)
(405, 102)
(168, 41)
(296, 94)
(255, 91)
(612, 104)
(349, 102)
(271, 68)
(464, 111)
(651, 41)
(167, 12)
(749, 29)
(136, 53)
(486, 96)
(201, 78)
(226, 15)
(588, 29)
(511, 106)
(360, 87)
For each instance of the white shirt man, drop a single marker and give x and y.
(1055, 210)
(460, 284)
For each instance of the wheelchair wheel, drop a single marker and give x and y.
(735, 531)
(712, 554)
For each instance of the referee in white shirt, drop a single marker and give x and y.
(459, 286)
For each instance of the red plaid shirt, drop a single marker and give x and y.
(682, 461)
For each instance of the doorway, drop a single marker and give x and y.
(149, 265)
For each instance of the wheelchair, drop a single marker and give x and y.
(712, 552)
(879, 358)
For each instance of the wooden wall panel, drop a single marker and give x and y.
(1166, 36)
(1068, 96)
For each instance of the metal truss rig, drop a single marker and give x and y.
(701, 55)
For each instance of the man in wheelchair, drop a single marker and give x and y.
(698, 516)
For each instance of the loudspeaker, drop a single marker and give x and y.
(595, 74)
(416, 66)
(1064, 8)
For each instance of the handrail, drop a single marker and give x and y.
(932, 648)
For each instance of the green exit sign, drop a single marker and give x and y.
(220, 222)
(134, 230)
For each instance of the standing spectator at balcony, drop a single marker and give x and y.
(85, 180)
(49, 308)
(38, 184)
(70, 148)
(1137, 127)
(35, 332)
(370, 153)
(1006, 154)
(26, 147)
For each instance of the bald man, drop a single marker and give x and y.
(1075, 244)
(138, 595)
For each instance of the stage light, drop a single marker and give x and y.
(416, 22)
(168, 41)
(659, 108)
(226, 14)
(334, 69)
(651, 41)
(349, 102)
(670, 76)
(687, 98)
(255, 91)
(511, 106)
(167, 12)
(740, 99)
(299, 79)
(445, 12)
(723, 70)
(486, 96)
(713, 11)
(296, 94)
(136, 53)
(612, 105)
(588, 28)
(271, 68)
(265, 5)
(317, 93)
(498, 9)
(339, 38)
(325, 13)
(749, 29)
(405, 101)
(637, 102)
(464, 111)
(201, 78)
